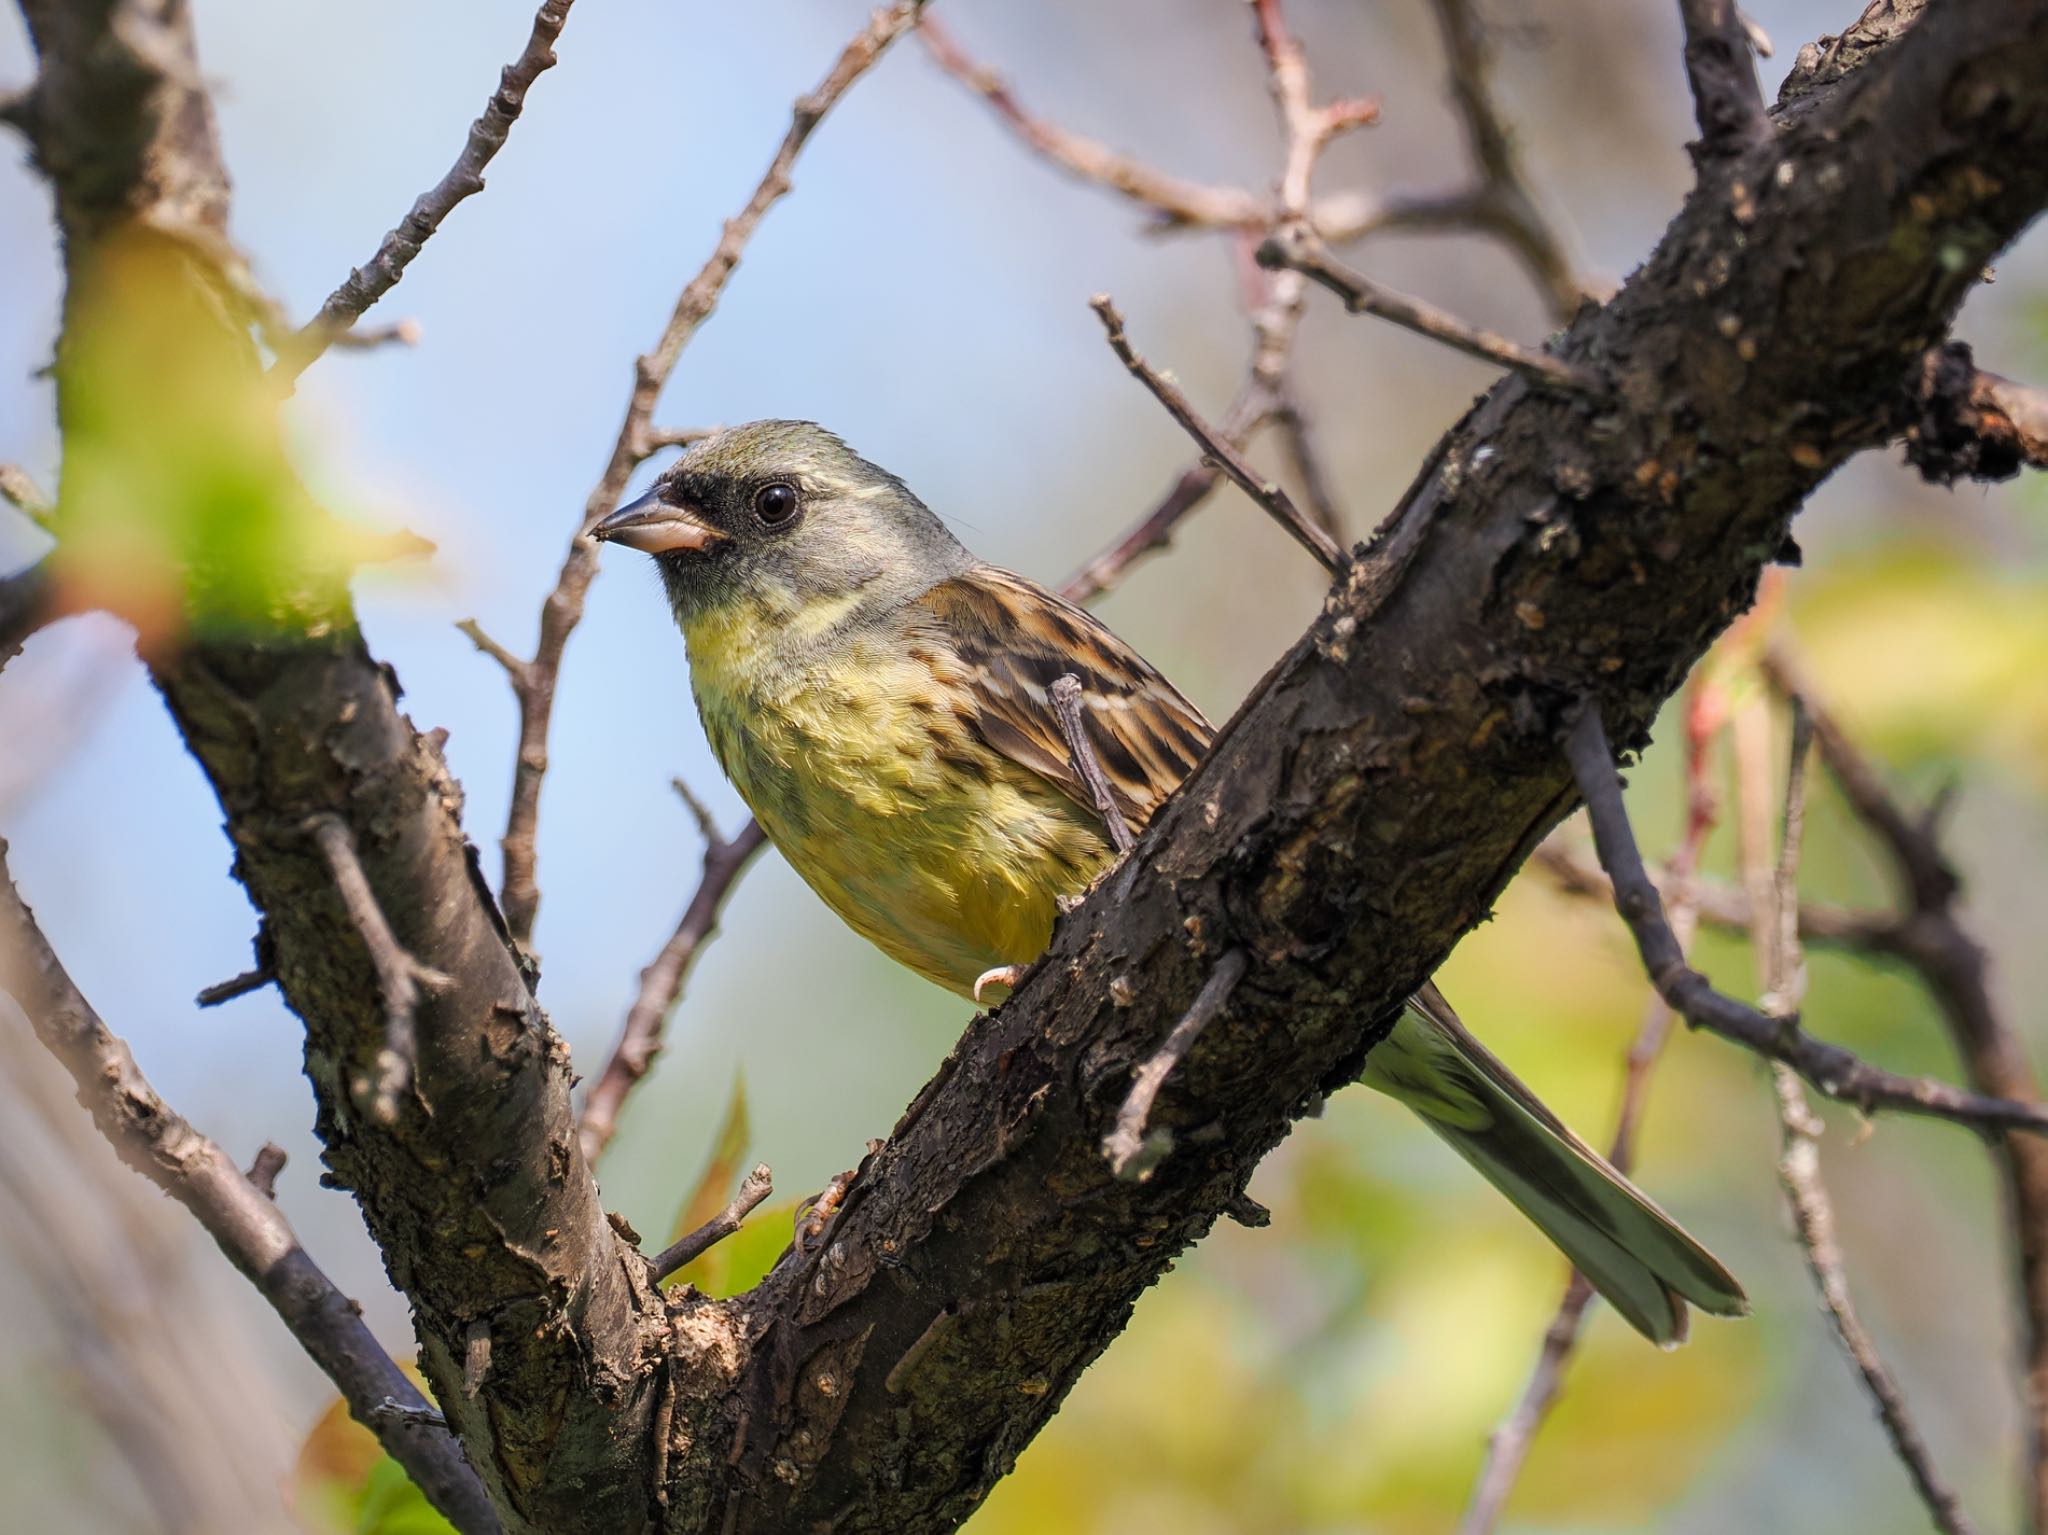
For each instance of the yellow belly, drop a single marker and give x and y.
(948, 856)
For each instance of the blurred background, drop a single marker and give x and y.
(924, 293)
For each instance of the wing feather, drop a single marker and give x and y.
(1015, 639)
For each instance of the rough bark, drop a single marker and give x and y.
(1361, 813)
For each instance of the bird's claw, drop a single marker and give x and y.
(1003, 975)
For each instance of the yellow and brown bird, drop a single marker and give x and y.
(882, 701)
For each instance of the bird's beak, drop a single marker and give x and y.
(653, 526)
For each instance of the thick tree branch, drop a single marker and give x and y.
(1368, 804)
(1361, 813)
(366, 284)
(250, 1231)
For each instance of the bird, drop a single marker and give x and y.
(882, 701)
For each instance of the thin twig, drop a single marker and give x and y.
(515, 665)
(1835, 1071)
(1066, 706)
(247, 1226)
(661, 983)
(1176, 202)
(754, 1188)
(1133, 1151)
(399, 976)
(1150, 533)
(1799, 1157)
(1727, 908)
(1933, 938)
(1297, 440)
(1300, 251)
(1507, 1449)
(1726, 98)
(366, 284)
(655, 438)
(563, 609)
(270, 1161)
(1501, 203)
(1276, 502)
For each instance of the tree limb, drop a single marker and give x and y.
(250, 1231)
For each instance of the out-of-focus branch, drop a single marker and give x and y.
(1727, 907)
(1215, 445)
(1726, 98)
(1298, 250)
(1177, 203)
(152, 1138)
(534, 685)
(661, 983)
(27, 603)
(1507, 1449)
(1962, 422)
(366, 284)
(1500, 202)
(1813, 1216)
(1933, 937)
(1835, 1071)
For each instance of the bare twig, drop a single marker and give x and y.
(366, 284)
(1276, 502)
(1799, 1158)
(155, 1140)
(1932, 937)
(1176, 202)
(1835, 1071)
(1726, 98)
(1066, 705)
(1300, 251)
(1501, 202)
(1133, 1151)
(399, 975)
(661, 983)
(754, 1188)
(1507, 1449)
(1729, 909)
(654, 439)
(515, 666)
(235, 986)
(270, 1160)
(534, 686)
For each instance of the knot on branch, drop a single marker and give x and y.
(1961, 423)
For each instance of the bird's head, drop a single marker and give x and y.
(784, 515)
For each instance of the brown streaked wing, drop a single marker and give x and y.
(1016, 639)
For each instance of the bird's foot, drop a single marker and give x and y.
(1005, 976)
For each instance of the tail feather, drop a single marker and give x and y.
(1632, 1252)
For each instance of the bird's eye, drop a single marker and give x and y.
(775, 504)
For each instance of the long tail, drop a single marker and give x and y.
(1632, 1252)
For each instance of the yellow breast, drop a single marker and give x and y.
(947, 855)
